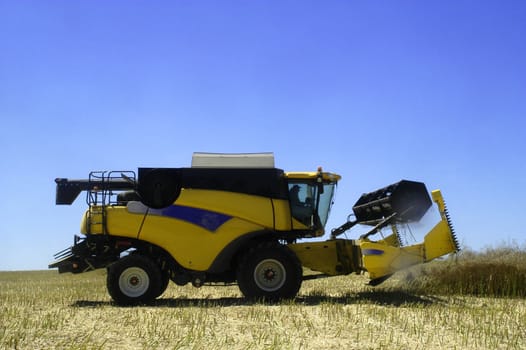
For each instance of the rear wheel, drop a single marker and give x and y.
(270, 272)
(134, 279)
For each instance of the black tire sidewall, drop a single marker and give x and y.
(165, 281)
(116, 269)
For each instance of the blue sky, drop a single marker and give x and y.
(376, 91)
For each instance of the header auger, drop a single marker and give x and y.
(235, 218)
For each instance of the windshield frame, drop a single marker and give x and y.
(312, 202)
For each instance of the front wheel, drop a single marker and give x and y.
(165, 280)
(134, 279)
(270, 272)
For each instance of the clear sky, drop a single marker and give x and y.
(376, 91)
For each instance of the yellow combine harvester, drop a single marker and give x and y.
(236, 218)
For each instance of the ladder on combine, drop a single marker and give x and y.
(102, 187)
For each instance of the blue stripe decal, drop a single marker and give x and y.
(209, 220)
(372, 252)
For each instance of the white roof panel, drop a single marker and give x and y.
(233, 160)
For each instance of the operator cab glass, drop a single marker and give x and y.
(310, 203)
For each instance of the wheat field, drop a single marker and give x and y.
(416, 309)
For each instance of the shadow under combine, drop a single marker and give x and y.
(384, 298)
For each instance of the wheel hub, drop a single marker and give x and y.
(134, 282)
(270, 275)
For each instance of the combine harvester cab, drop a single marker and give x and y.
(236, 219)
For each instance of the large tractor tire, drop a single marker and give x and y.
(269, 272)
(134, 279)
(165, 280)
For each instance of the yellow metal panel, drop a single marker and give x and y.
(333, 257)
(84, 223)
(438, 199)
(252, 208)
(318, 256)
(192, 246)
(282, 214)
(312, 175)
(195, 245)
(439, 241)
(119, 222)
(382, 260)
